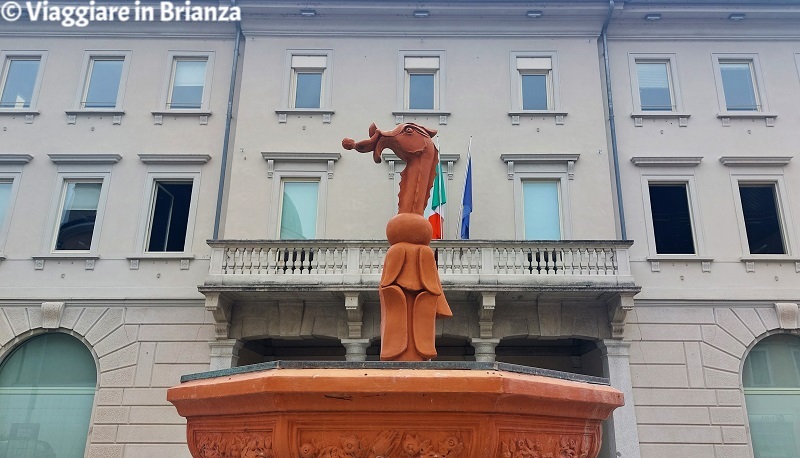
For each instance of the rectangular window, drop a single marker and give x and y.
(738, 84)
(5, 200)
(535, 80)
(169, 216)
(655, 88)
(672, 221)
(762, 219)
(298, 213)
(188, 83)
(19, 81)
(422, 80)
(103, 82)
(308, 74)
(542, 210)
(78, 212)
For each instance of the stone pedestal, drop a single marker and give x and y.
(393, 410)
(355, 349)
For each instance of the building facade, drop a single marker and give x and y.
(632, 183)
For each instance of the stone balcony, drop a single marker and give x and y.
(464, 265)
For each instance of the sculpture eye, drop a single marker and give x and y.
(408, 130)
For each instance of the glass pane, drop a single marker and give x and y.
(299, 210)
(308, 90)
(78, 216)
(5, 200)
(47, 388)
(654, 92)
(421, 91)
(541, 210)
(20, 79)
(773, 408)
(761, 220)
(737, 83)
(170, 217)
(534, 92)
(187, 87)
(672, 224)
(103, 83)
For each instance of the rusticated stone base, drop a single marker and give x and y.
(393, 413)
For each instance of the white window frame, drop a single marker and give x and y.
(277, 199)
(169, 75)
(553, 89)
(694, 214)
(289, 78)
(5, 58)
(300, 166)
(83, 83)
(784, 216)
(671, 61)
(57, 205)
(14, 178)
(292, 178)
(439, 82)
(166, 174)
(758, 82)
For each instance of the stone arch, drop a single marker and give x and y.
(101, 329)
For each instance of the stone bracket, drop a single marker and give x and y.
(51, 314)
(220, 307)
(486, 312)
(787, 315)
(618, 309)
(354, 305)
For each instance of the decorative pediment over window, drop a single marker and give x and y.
(304, 162)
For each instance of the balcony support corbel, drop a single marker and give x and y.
(354, 305)
(618, 308)
(486, 311)
(220, 307)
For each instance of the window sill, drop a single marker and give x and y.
(640, 116)
(655, 261)
(158, 115)
(283, 114)
(751, 260)
(116, 115)
(88, 258)
(399, 116)
(557, 115)
(18, 111)
(725, 117)
(184, 258)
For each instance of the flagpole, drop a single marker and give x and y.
(439, 167)
(466, 174)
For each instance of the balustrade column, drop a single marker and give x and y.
(224, 353)
(355, 349)
(484, 349)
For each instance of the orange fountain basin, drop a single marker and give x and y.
(403, 410)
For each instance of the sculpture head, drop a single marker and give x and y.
(405, 139)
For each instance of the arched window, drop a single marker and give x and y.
(771, 380)
(47, 387)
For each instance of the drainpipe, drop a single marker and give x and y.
(612, 123)
(228, 117)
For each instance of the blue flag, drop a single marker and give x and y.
(466, 203)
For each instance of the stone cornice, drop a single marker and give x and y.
(85, 158)
(755, 161)
(15, 159)
(666, 161)
(188, 159)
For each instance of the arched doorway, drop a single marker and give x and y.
(47, 387)
(771, 381)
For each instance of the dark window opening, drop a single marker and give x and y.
(298, 349)
(170, 217)
(577, 356)
(672, 222)
(761, 219)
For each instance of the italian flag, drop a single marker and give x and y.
(435, 209)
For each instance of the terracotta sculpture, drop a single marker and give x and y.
(410, 291)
